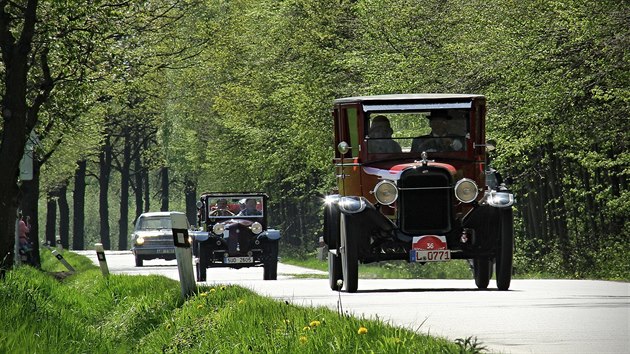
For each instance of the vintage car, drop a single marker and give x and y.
(234, 233)
(413, 183)
(153, 237)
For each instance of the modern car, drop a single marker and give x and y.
(413, 183)
(152, 237)
(234, 233)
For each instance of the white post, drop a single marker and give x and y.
(183, 252)
(100, 254)
(58, 241)
(60, 258)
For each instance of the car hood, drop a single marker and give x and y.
(393, 172)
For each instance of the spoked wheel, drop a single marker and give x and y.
(482, 269)
(505, 253)
(335, 272)
(270, 267)
(349, 255)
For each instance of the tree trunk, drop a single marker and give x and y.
(190, 192)
(123, 222)
(139, 185)
(147, 195)
(78, 203)
(30, 207)
(51, 218)
(64, 216)
(165, 191)
(105, 166)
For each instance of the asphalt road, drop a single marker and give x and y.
(534, 316)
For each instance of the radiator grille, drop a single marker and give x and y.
(425, 201)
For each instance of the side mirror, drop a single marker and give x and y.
(491, 145)
(343, 147)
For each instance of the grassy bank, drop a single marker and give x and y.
(53, 312)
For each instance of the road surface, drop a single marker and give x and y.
(534, 316)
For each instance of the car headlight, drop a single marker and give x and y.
(218, 228)
(256, 228)
(386, 192)
(500, 199)
(140, 241)
(466, 190)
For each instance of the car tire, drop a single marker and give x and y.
(482, 269)
(139, 261)
(270, 267)
(335, 272)
(349, 254)
(331, 225)
(202, 264)
(505, 253)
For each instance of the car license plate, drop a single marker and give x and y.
(236, 260)
(164, 251)
(430, 256)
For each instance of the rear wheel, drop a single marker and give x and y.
(482, 269)
(139, 261)
(349, 255)
(505, 253)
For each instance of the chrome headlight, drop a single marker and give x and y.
(466, 190)
(386, 192)
(140, 241)
(351, 205)
(500, 199)
(256, 228)
(218, 228)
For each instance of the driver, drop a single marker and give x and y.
(221, 208)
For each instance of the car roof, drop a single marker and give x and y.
(409, 97)
(159, 213)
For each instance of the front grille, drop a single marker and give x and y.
(159, 243)
(424, 203)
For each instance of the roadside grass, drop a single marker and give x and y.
(52, 311)
(457, 269)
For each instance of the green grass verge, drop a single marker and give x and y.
(458, 269)
(54, 312)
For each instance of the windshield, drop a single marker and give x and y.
(229, 207)
(412, 132)
(154, 223)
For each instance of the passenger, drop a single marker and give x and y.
(250, 208)
(380, 135)
(440, 138)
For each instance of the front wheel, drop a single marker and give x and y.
(335, 272)
(202, 265)
(505, 253)
(349, 255)
(270, 266)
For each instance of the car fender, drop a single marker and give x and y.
(199, 236)
(271, 234)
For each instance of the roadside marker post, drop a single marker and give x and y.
(183, 252)
(60, 258)
(58, 241)
(100, 254)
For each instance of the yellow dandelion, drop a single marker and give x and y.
(362, 330)
(287, 321)
(315, 323)
(306, 328)
(199, 306)
(212, 290)
(241, 301)
(303, 339)
(204, 294)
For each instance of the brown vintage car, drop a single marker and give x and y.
(413, 183)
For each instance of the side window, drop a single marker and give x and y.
(353, 130)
